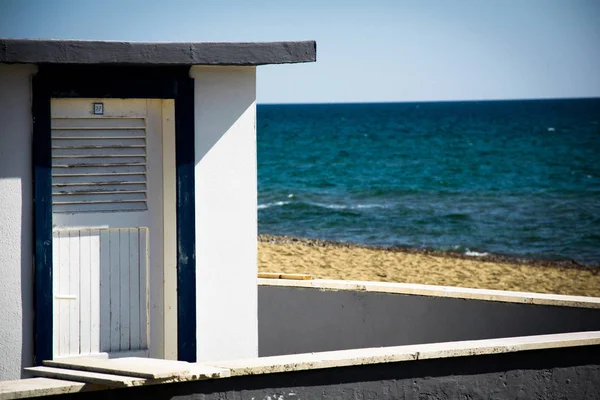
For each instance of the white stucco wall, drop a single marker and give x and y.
(16, 235)
(226, 217)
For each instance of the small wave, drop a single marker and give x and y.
(345, 207)
(475, 253)
(330, 206)
(371, 206)
(274, 204)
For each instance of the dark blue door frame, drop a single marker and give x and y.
(114, 82)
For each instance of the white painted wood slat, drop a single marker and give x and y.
(125, 205)
(83, 160)
(97, 133)
(109, 164)
(56, 320)
(63, 308)
(74, 320)
(106, 142)
(95, 152)
(101, 188)
(134, 289)
(97, 123)
(102, 207)
(95, 305)
(98, 180)
(143, 291)
(103, 170)
(105, 270)
(85, 282)
(124, 287)
(82, 197)
(115, 291)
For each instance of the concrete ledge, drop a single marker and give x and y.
(354, 357)
(36, 387)
(42, 51)
(324, 360)
(555, 373)
(440, 291)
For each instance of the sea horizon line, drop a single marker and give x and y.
(540, 99)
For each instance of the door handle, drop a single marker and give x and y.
(65, 297)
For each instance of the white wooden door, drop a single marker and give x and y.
(109, 202)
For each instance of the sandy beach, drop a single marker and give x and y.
(330, 260)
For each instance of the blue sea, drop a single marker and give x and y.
(518, 178)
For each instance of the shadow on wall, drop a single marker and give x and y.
(216, 113)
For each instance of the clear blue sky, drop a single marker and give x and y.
(367, 51)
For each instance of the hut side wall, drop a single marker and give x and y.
(16, 221)
(226, 219)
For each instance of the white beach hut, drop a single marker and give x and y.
(128, 198)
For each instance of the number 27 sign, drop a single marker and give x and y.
(98, 108)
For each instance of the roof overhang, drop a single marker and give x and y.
(42, 51)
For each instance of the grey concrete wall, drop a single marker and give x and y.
(564, 373)
(302, 320)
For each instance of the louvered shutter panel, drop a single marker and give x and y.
(99, 164)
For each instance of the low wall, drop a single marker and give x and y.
(559, 373)
(296, 320)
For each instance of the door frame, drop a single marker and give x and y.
(81, 81)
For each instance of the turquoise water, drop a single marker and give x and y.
(507, 177)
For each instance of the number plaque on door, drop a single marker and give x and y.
(98, 108)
